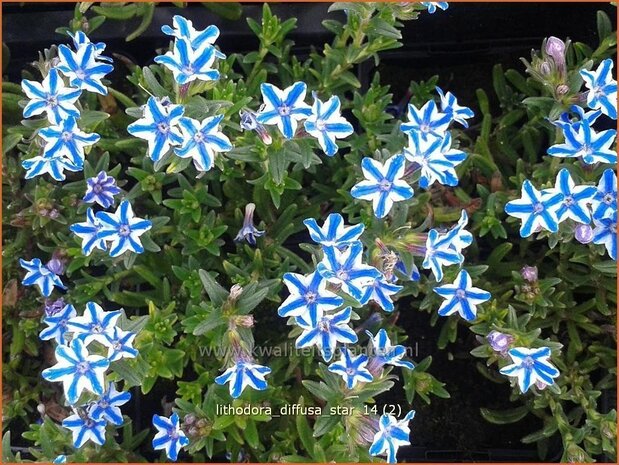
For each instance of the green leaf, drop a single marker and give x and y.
(230, 11)
(304, 430)
(608, 267)
(504, 417)
(216, 292)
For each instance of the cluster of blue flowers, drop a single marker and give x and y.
(590, 212)
(81, 370)
(63, 142)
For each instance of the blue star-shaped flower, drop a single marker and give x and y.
(122, 229)
(169, 435)
(54, 165)
(605, 232)
(51, 97)
(94, 325)
(435, 157)
(457, 238)
(188, 64)
(82, 67)
(202, 141)
(84, 429)
(120, 344)
(248, 231)
(333, 233)
(536, 209)
(380, 291)
(101, 189)
(588, 118)
(439, 253)
(449, 106)
(183, 29)
(88, 232)
(602, 87)
(426, 120)
(352, 369)
(346, 269)
(605, 199)
(107, 407)
(77, 370)
(243, 374)
(391, 435)
(60, 459)
(57, 324)
(41, 276)
(575, 199)
(67, 140)
(431, 6)
(284, 107)
(81, 40)
(461, 297)
(158, 126)
(383, 184)
(530, 366)
(309, 297)
(327, 124)
(583, 141)
(386, 354)
(326, 333)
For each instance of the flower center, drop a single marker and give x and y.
(66, 136)
(538, 207)
(384, 185)
(460, 293)
(284, 110)
(82, 367)
(52, 100)
(124, 230)
(310, 297)
(97, 328)
(608, 198)
(569, 200)
(104, 404)
(79, 72)
(424, 128)
(320, 125)
(528, 362)
(342, 274)
(323, 325)
(163, 127)
(350, 371)
(188, 70)
(97, 188)
(199, 137)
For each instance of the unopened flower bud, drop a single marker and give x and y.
(235, 292)
(555, 48)
(189, 419)
(545, 69)
(499, 342)
(583, 233)
(562, 89)
(246, 321)
(529, 273)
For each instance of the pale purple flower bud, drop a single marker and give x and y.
(56, 266)
(562, 89)
(555, 48)
(366, 429)
(53, 214)
(53, 306)
(529, 273)
(249, 232)
(583, 233)
(499, 342)
(540, 385)
(545, 69)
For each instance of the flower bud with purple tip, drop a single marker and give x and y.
(529, 273)
(500, 342)
(583, 233)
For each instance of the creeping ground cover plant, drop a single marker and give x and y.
(205, 258)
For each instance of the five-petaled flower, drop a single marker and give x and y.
(604, 201)
(383, 184)
(449, 106)
(605, 232)
(327, 332)
(327, 124)
(352, 369)
(202, 141)
(380, 291)
(309, 297)
(77, 370)
(432, 6)
(84, 429)
(346, 269)
(383, 353)
(536, 209)
(170, 436)
(54, 165)
(461, 297)
(120, 344)
(333, 232)
(95, 324)
(426, 120)
(41, 276)
(575, 199)
(440, 252)
(188, 64)
(57, 324)
(67, 140)
(159, 126)
(122, 229)
(82, 67)
(88, 232)
(436, 159)
(183, 29)
(243, 374)
(101, 189)
(602, 87)
(392, 434)
(530, 366)
(107, 407)
(583, 141)
(51, 97)
(284, 107)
